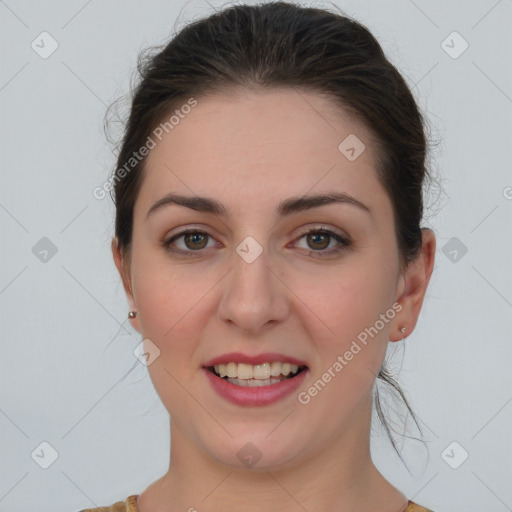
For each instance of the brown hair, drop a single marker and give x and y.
(280, 44)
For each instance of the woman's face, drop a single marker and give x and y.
(253, 282)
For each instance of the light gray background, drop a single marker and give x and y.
(68, 375)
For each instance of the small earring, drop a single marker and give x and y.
(132, 314)
(402, 330)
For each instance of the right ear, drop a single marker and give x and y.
(123, 268)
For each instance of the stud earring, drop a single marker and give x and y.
(132, 314)
(402, 330)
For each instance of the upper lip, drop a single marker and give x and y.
(238, 357)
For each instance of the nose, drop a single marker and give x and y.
(254, 297)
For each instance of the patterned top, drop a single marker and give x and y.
(130, 505)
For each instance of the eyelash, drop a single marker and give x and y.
(344, 242)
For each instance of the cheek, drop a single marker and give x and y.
(347, 301)
(165, 293)
(160, 309)
(349, 352)
(170, 309)
(342, 318)
(173, 322)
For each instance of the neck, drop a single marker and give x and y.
(339, 477)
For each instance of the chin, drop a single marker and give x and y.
(257, 452)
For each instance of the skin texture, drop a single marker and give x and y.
(251, 150)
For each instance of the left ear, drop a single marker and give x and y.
(414, 282)
(123, 267)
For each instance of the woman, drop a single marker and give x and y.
(268, 204)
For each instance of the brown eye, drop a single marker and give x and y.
(318, 240)
(195, 241)
(190, 241)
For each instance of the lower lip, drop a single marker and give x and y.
(263, 395)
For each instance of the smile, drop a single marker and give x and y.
(247, 390)
(258, 375)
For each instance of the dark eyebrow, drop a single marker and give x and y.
(286, 207)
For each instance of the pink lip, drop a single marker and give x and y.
(263, 395)
(238, 357)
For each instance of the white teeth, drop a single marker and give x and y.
(286, 368)
(262, 371)
(259, 372)
(245, 371)
(231, 369)
(275, 369)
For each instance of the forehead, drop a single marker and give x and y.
(261, 143)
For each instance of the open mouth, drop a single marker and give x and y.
(265, 374)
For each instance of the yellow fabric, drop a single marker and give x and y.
(130, 505)
(411, 507)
